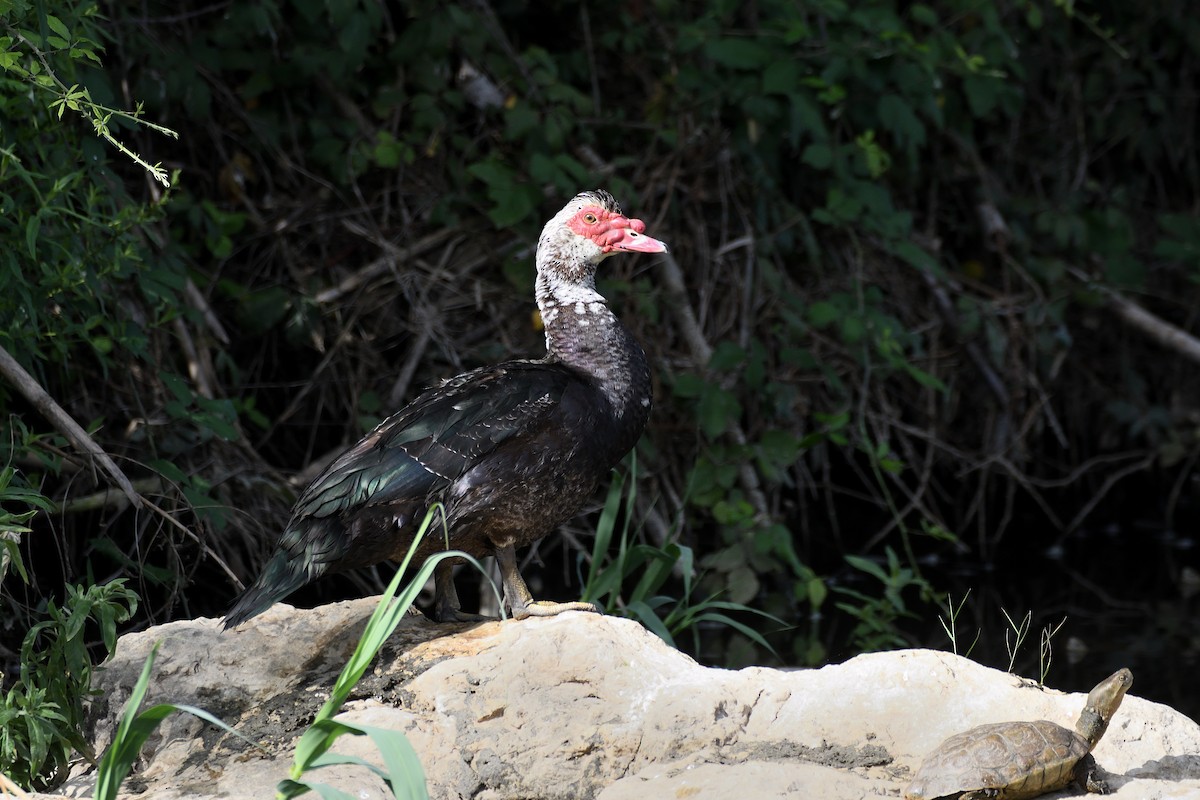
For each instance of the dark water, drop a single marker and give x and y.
(1129, 597)
(1119, 596)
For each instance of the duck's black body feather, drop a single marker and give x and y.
(510, 452)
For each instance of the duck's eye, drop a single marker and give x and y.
(589, 218)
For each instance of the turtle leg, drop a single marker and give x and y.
(517, 596)
(446, 606)
(1087, 776)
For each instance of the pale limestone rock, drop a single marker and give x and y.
(584, 706)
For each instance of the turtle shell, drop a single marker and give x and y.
(1012, 759)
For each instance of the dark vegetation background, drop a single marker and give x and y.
(905, 363)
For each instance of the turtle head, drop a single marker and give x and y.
(1102, 703)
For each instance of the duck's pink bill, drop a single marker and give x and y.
(633, 241)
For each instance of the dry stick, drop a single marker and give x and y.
(915, 495)
(589, 47)
(107, 498)
(208, 551)
(492, 22)
(1109, 482)
(52, 411)
(1158, 329)
(415, 354)
(981, 361)
(379, 266)
(382, 265)
(196, 365)
(200, 303)
(8, 787)
(348, 109)
(681, 306)
(1177, 487)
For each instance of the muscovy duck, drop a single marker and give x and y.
(511, 451)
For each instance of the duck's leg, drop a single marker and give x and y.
(516, 593)
(446, 606)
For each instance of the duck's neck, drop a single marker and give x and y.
(583, 333)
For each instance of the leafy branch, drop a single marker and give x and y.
(41, 75)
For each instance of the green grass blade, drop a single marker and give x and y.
(741, 628)
(134, 729)
(727, 605)
(319, 737)
(327, 792)
(659, 563)
(117, 760)
(333, 759)
(291, 788)
(400, 759)
(645, 614)
(402, 768)
(592, 589)
(387, 615)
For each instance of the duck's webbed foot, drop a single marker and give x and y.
(446, 606)
(516, 593)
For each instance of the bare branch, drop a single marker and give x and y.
(383, 264)
(52, 411)
(1156, 328)
(679, 303)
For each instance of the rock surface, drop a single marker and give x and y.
(585, 706)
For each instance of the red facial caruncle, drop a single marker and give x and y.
(614, 231)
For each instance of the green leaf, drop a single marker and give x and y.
(779, 448)
(31, 233)
(898, 117)
(916, 256)
(983, 93)
(57, 26)
(688, 385)
(817, 592)
(264, 309)
(493, 173)
(178, 387)
(818, 156)
(354, 35)
(924, 15)
(823, 313)
(842, 207)
(739, 53)
(387, 152)
(717, 410)
(726, 356)
(168, 470)
(806, 118)
(853, 329)
(867, 566)
(781, 77)
(521, 206)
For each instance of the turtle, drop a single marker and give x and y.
(1017, 760)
